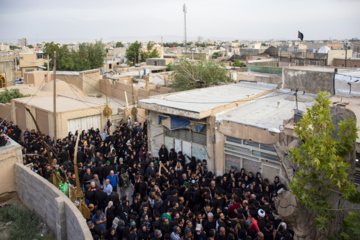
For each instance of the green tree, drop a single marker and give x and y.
(323, 171)
(170, 67)
(49, 49)
(189, 75)
(65, 59)
(30, 46)
(215, 55)
(133, 52)
(6, 95)
(89, 56)
(150, 52)
(12, 47)
(237, 63)
(119, 44)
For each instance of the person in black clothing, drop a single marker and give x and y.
(101, 199)
(163, 154)
(172, 195)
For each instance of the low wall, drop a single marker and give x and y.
(310, 81)
(5, 109)
(9, 155)
(265, 78)
(53, 207)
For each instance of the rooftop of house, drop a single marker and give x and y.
(63, 104)
(269, 111)
(203, 102)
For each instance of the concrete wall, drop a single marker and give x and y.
(258, 77)
(7, 68)
(90, 80)
(118, 89)
(42, 118)
(50, 204)
(36, 78)
(5, 109)
(9, 155)
(308, 80)
(71, 79)
(332, 54)
(340, 62)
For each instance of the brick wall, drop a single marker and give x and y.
(50, 204)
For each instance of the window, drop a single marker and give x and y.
(109, 66)
(188, 135)
(39, 56)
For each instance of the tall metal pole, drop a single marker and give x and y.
(48, 70)
(185, 11)
(345, 47)
(54, 96)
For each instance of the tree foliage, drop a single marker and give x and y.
(215, 55)
(6, 95)
(13, 47)
(237, 63)
(133, 53)
(189, 75)
(150, 52)
(89, 56)
(323, 170)
(119, 44)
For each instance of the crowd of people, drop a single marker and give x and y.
(134, 196)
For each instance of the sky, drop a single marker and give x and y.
(69, 21)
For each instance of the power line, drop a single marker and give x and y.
(41, 86)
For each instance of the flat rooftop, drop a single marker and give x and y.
(269, 111)
(63, 104)
(200, 103)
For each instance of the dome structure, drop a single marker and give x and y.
(324, 49)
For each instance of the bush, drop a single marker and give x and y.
(6, 95)
(99, 95)
(25, 224)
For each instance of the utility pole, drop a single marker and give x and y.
(296, 98)
(345, 46)
(54, 96)
(146, 86)
(48, 71)
(185, 11)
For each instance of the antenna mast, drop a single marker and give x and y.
(185, 11)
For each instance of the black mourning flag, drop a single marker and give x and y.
(300, 35)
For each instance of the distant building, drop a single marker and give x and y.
(22, 42)
(31, 61)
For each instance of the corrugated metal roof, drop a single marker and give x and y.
(200, 100)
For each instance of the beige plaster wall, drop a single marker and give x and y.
(90, 81)
(36, 78)
(9, 155)
(5, 109)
